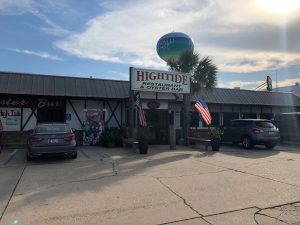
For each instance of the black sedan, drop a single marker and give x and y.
(50, 139)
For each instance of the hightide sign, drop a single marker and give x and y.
(159, 81)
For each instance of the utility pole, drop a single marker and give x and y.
(276, 80)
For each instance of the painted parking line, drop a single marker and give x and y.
(100, 154)
(105, 155)
(84, 154)
(11, 156)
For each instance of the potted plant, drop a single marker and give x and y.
(143, 138)
(111, 137)
(215, 137)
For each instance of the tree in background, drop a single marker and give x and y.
(203, 74)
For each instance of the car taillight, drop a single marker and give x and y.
(70, 137)
(256, 130)
(35, 140)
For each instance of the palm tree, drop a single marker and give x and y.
(203, 74)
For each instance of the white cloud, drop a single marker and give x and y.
(254, 84)
(52, 28)
(287, 82)
(45, 55)
(36, 8)
(117, 75)
(14, 7)
(241, 84)
(128, 33)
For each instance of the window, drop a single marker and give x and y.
(241, 123)
(264, 124)
(215, 119)
(267, 116)
(194, 119)
(248, 116)
(215, 122)
(227, 116)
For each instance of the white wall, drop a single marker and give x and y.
(32, 122)
(113, 122)
(79, 107)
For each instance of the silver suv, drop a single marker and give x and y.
(250, 132)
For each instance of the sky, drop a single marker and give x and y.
(247, 40)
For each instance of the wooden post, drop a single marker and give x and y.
(131, 106)
(172, 131)
(186, 117)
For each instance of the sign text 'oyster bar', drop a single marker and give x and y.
(159, 81)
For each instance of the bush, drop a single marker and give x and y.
(111, 137)
(143, 133)
(216, 133)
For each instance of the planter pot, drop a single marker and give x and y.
(215, 143)
(143, 146)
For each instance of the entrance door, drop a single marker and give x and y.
(158, 120)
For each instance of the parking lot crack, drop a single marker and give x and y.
(114, 168)
(240, 171)
(275, 218)
(277, 207)
(184, 201)
(231, 211)
(12, 194)
(195, 174)
(184, 220)
(278, 181)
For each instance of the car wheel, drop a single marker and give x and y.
(270, 145)
(247, 142)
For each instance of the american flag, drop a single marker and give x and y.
(203, 110)
(141, 113)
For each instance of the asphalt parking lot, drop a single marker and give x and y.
(183, 186)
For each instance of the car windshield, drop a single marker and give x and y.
(52, 129)
(264, 124)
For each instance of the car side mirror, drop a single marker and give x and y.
(73, 130)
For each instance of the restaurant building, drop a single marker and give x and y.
(28, 99)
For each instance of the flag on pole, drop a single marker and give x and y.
(141, 113)
(203, 110)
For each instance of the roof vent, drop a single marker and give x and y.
(238, 88)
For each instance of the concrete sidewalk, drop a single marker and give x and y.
(183, 186)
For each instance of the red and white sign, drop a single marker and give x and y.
(159, 81)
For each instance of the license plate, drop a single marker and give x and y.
(53, 141)
(271, 133)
